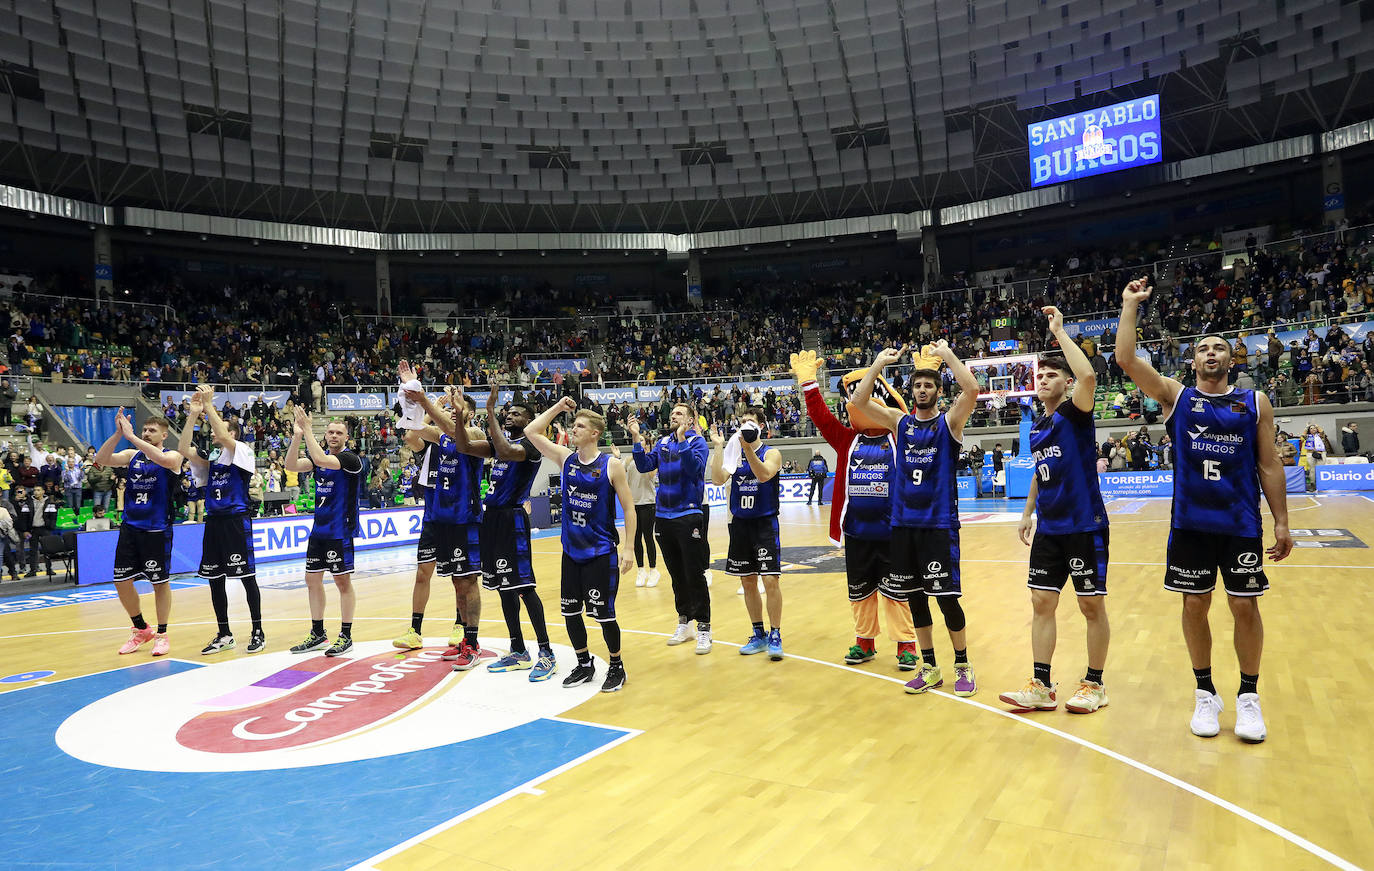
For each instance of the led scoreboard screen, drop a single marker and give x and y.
(1095, 141)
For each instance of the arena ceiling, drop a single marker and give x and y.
(630, 115)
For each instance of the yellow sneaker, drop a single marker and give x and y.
(455, 637)
(409, 641)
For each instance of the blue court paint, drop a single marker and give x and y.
(77, 815)
(27, 676)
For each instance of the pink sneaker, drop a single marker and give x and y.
(137, 639)
(161, 645)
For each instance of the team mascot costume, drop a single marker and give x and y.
(860, 508)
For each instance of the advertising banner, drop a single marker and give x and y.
(354, 402)
(557, 364)
(236, 397)
(1349, 476)
(1095, 141)
(1126, 485)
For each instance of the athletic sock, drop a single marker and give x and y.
(703, 627)
(928, 656)
(458, 619)
(257, 625)
(961, 656)
(162, 630)
(139, 622)
(1094, 675)
(615, 659)
(1042, 672)
(1249, 683)
(758, 629)
(470, 635)
(223, 629)
(584, 658)
(416, 620)
(1204, 680)
(317, 627)
(345, 630)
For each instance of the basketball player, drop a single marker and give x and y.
(861, 520)
(680, 458)
(755, 548)
(591, 574)
(505, 537)
(228, 546)
(925, 506)
(455, 511)
(1224, 456)
(338, 479)
(143, 551)
(1071, 535)
(425, 476)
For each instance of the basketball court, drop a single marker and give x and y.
(390, 760)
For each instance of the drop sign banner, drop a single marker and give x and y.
(1095, 141)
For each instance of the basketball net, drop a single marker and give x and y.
(999, 398)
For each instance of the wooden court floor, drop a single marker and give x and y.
(809, 763)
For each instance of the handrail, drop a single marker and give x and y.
(167, 310)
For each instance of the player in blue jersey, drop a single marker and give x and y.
(453, 512)
(1224, 455)
(227, 551)
(925, 504)
(506, 564)
(591, 481)
(1071, 536)
(755, 548)
(680, 458)
(144, 549)
(338, 480)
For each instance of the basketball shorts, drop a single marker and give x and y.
(925, 561)
(505, 545)
(333, 555)
(457, 551)
(141, 555)
(428, 549)
(867, 565)
(228, 547)
(755, 548)
(1194, 558)
(1078, 555)
(590, 585)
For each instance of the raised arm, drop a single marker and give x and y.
(835, 433)
(1163, 390)
(645, 460)
(218, 429)
(1272, 479)
(967, 399)
(165, 459)
(715, 472)
(107, 456)
(184, 445)
(502, 446)
(621, 482)
(765, 468)
(542, 443)
(293, 459)
(1083, 375)
(318, 457)
(890, 417)
(468, 439)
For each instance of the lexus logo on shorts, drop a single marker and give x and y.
(457, 553)
(934, 567)
(763, 553)
(236, 559)
(1249, 559)
(333, 554)
(1076, 564)
(150, 564)
(502, 565)
(594, 595)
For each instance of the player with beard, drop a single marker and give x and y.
(505, 534)
(925, 504)
(1224, 455)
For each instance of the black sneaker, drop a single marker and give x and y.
(583, 673)
(615, 678)
(311, 642)
(218, 644)
(257, 642)
(341, 645)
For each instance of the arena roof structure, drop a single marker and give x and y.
(670, 116)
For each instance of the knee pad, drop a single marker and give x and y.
(953, 613)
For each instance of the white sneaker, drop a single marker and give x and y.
(1249, 720)
(1204, 723)
(652, 579)
(641, 577)
(683, 633)
(704, 645)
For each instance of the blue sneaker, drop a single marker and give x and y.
(775, 645)
(545, 668)
(755, 644)
(512, 662)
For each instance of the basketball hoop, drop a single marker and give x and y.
(999, 398)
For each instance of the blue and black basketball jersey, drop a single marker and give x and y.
(588, 509)
(456, 495)
(926, 492)
(1068, 496)
(148, 495)
(681, 469)
(227, 490)
(1216, 462)
(511, 479)
(336, 499)
(748, 496)
(868, 488)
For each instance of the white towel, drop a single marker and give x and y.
(734, 450)
(412, 412)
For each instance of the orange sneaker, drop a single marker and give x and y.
(137, 639)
